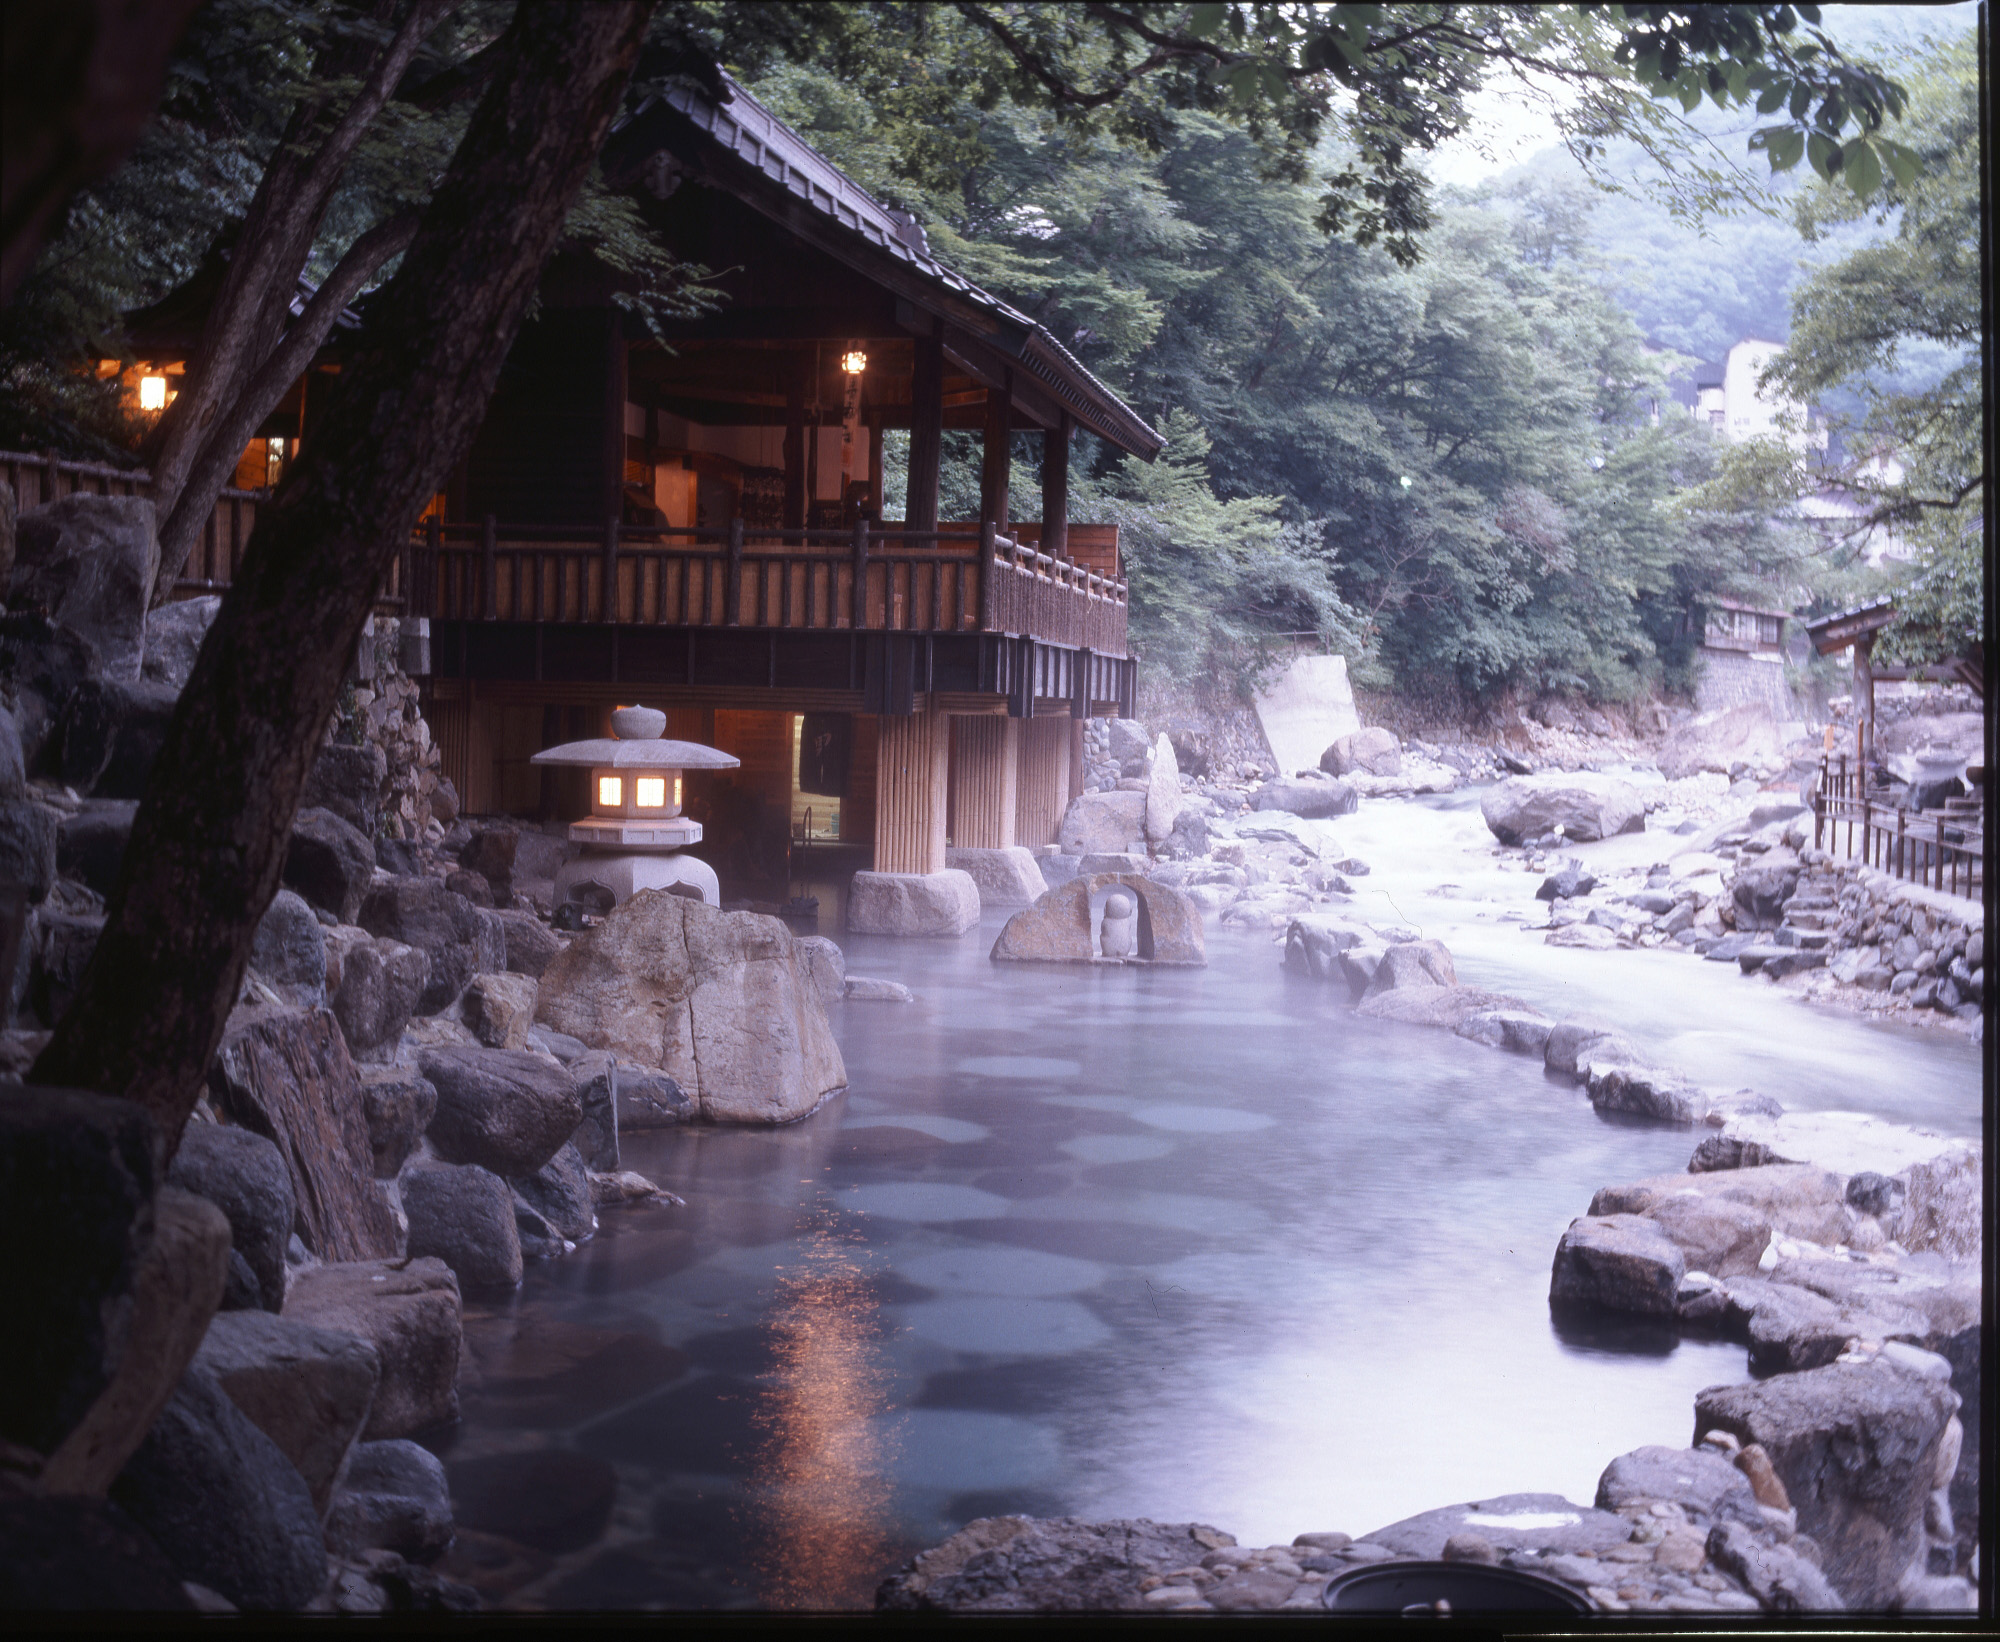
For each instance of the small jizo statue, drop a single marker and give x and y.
(1120, 937)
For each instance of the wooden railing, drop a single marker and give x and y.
(1938, 849)
(867, 578)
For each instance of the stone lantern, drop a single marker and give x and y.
(635, 832)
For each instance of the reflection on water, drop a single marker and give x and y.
(1073, 1244)
(820, 1483)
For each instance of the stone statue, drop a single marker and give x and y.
(1120, 936)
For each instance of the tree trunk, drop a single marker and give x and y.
(208, 844)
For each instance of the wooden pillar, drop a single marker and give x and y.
(912, 757)
(857, 804)
(920, 507)
(1042, 789)
(997, 468)
(872, 420)
(1055, 488)
(1864, 706)
(795, 445)
(985, 775)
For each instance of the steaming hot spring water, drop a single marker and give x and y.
(1110, 1242)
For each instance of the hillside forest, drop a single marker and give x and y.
(1473, 473)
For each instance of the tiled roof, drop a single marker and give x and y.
(745, 128)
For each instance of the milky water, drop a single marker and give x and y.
(1187, 1244)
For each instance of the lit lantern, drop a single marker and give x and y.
(152, 393)
(854, 362)
(635, 831)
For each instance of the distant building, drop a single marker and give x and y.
(1742, 658)
(1728, 399)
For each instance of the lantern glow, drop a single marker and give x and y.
(610, 792)
(650, 792)
(152, 393)
(854, 362)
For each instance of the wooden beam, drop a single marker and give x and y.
(997, 468)
(920, 510)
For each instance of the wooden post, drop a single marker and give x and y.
(1864, 679)
(51, 471)
(920, 508)
(984, 780)
(997, 467)
(732, 586)
(608, 604)
(910, 771)
(419, 580)
(1042, 788)
(796, 510)
(489, 554)
(1055, 487)
(859, 618)
(987, 591)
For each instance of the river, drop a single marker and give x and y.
(1186, 1244)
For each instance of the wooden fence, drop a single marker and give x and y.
(1940, 849)
(942, 581)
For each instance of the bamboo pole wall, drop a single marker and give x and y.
(1042, 790)
(912, 758)
(985, 761)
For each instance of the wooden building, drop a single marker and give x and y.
(698, 526)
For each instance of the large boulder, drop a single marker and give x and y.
(827, 964)
(559, 1191)
(717, 1000)
(1717, 741)
(1315, 943)
(647, 1098)
(462, 940)
(112, 731)
(1312, 797)
(348, 781)
(44, 664)
(1586, 807)
(1372, 751)
(13, 766)
(394, 1498)
(285, 1073)
(245, 1176)
(1004, 877)
(1163, 794)
(89, 561)
(30, 835)
(530, 943)
(331, 863)
(1413, 964)
(1447, 1006)
(1777, 1575)
(491, 853)
(1509, 1523)
(1793, 1329)
(408, 1310)
(1017, 1564)
(1056, 929)
(499, 1009)
(464, 1215)
(1707, 1487)
(1574, 1044)
(373, 986)
(1856, 1446)
(913, 903)
(1797, 1199)
(1646, 1091)
(1718, 1236)
(503, 1109)
(91, 847)
(398, 1106)
(1103, 823)
(289, 951)
(224, 1503)
(174, 637)
(1619, 1262)
(307, 1389)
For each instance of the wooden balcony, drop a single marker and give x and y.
(867, 580)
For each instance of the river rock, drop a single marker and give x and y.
(1856, 1447)
(1722, 1238)
(398, 1106)
(1568, 881)
(374, 985)
(1776, 1575)
(89, 561)
(826, 964)
(111, 734)
(559, 1191)
(461, 939)
(912, 903)
(1719, 741)
(1519, 1030)
(1509, 1523)
(245, 1176)
(1103, 822)
(1568, 1040)
(1312, 797)
(1371, 751)
(408, 1310)
(1447, 1006)
(174, 636)
(29, 840)
(651, 1099)
(1646, 1091)
(596, 1140)
(1586, 807)
(1619, 1262)
(1003, 877)
(1020, 1564)
(220, 1498)
(1800, 1201)
(285, 1073)
(506, 1110)
(1315, 942)
(471, 885)
(463, 1215)
(289, 951)
(331, 864)
(491, 853)
(393, 1498)
(307, 1389)
(717, 1000)
(529, 942)
(1413, 964)
(1943, 1208)
(1056, 929)
(499, 1009)
(1792, 1329)
(1163, 793)
(1706, 1487)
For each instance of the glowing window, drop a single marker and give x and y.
(610, 792)
(650, 792)
(152, 393)
(677, 792)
